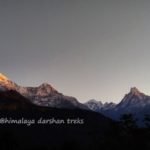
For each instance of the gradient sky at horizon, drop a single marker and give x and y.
(90, 49)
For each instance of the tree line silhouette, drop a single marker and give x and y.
(125, 134)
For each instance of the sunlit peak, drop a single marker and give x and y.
(3, 77)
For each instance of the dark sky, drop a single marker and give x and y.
(84, 48)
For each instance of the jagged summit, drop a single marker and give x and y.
(135, 91)
(47, 88)
(45, 84)
(134, 102)
(3, 77)
(6, 84)
(42, 95)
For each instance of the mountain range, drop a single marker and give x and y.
(81, 127)
(43, 95)
(135, 102)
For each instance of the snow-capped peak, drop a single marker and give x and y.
(46, 86)
(5, 83)
(43, 95)
(135, 91)
(3, 78)
(134, 98)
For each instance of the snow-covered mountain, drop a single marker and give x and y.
(94, 105)
(98, 106)
(43, 95)
(134, 99)
(134, 102)
(6, 84)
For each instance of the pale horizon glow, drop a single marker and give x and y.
(89, 49)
